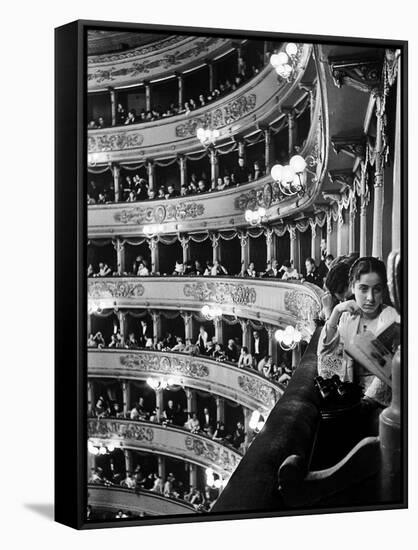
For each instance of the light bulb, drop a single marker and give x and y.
(278, 335)
(275, 60)
(297, 163)
(255, 417)
(200, 133)
(288, 174)
(205, 310)
(286, 71)
(282, 58)
(277, 172)
(291, 49)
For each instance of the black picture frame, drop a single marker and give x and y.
(70, 267)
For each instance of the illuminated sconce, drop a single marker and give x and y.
(211, 312)
(290, 177)
(288, 338)
(206, 136)
(255, 217)
(285, 62)
(256, 421)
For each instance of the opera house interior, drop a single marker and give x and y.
(244, 229)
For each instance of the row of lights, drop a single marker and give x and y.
(284, 63)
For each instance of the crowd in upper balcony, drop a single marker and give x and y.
(126, 116)
(136, 188)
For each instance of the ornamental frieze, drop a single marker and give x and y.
(213, 453)
(191, 368)
(301, 305)
(258, 390)
(137, 67)
(265, 197)
(222, 116)
(100, 143)
(160, 213)
(122, 430)
(118, 289)
(221, 293)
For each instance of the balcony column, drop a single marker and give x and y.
(313, 238)
(377, 250)
(180, 88)
(268, 152)
(89, 328)
(147, 95)
(220, 409)
(112, 94)
(156, 325)
(128, 460)
(246, 333)
(241, 150)
(188, 325)
(240, 59)
(159, 400)
(215, 247)
(126, 396)
(266, 51)
(214, 166)
(340, 234)
(119, 245)
(352, 222)
(329, 230)
(161, 467)
(310, 88)
(397, 182)
(122, 325)
(193, 475)
(151, 174)
(292, 128)
(191, 400)
(184, 241)
(271, 244)
(294, 247)
(272, 348)
(155, 260)
(90, 397)
(245, 250)
(219, 330)
(183, 170)
(116, 181)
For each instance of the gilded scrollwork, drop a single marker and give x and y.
(105, 429)
(257, 389)
(221, 293)
(175, 366)
(301, 305)
(214, 453)
(99, 143)
(159, 214)
(114, 289)
(221, 116)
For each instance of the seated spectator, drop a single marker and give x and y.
(169, 340)
(92, 125)
(231, 351)
(273, 270)
(151, 194)
(265, 366)
(215, 269)
(178, 268)
(312, 274)
(192, 104)
(169, 412)
(238, 436)
(143, 270)
(104, 270)
(131, 118)
(128, 482)
(289, 272)
(101, 122)
(197, 269)
(161, 192)
(100, 408)
(190, 347)
(201, 101)
(158, 485)
(100, 342)
(120, 114)
(90, 200)
(245, 359)
(201, 187)
(91, 342)
(286, 376)
(179, 344)
(250, 271)
(96, 476)
(257, 171)
(171, 192)
(131, 343)
(220, 184)
(193, 424)
(220, 432)
(184, 191)
(149, 482)
(115, 342)
(187, 268)
(179, 416)
(219, 353)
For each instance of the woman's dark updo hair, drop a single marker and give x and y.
(337, 280)
(367, 264)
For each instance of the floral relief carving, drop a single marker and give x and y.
(118, 289)
(99, 143)
(221, 116)
(214, 453)
(258, 390)
(221, 293)
(122, 430)
(179, 366)
(301, 305)
(159, 214)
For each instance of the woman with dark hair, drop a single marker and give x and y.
(337, 284)
(365, 313)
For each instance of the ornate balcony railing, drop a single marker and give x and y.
(167, 440)
(113, 499)
(276, 302)
(244, 386)
(152, 61)
(258, 101)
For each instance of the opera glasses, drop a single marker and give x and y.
(336, 394)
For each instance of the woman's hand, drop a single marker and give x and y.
(350, 306)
